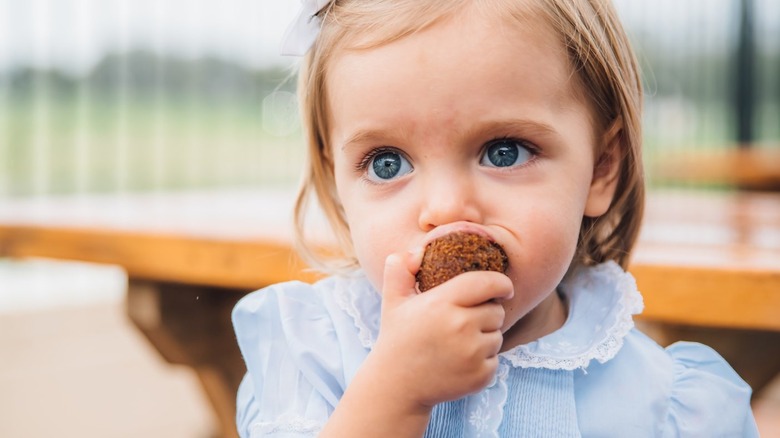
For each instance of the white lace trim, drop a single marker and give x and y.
(348, 293)
(629, 303)
(485, 410)
(289, 424)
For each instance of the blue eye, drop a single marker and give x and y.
(387, 165)
(505, 153)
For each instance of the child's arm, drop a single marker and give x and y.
(372, 407)
(432, 347)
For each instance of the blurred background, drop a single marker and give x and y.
(114, 95)
(121, 97)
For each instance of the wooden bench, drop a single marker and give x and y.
(753, 168)
(706, 263)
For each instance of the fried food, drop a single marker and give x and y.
(456, 253)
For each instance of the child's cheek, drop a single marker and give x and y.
(548, 242)
(371, 252)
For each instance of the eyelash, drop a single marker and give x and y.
(363, 164)
(532, 148)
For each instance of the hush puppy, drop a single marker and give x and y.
(456, 253)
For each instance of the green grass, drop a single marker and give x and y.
(97, 145)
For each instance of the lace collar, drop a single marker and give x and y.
(602, 301)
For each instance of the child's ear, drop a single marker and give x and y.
(605, 171)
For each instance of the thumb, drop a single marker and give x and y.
(399, 275)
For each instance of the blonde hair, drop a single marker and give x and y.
(600, 57)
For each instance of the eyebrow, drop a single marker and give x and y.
(509, 126)
(362, 137)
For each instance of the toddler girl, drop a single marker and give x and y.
(518, 120)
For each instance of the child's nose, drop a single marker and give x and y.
(447, 199)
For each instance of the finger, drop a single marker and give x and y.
(492, 343)
(491, 316)
(398, 280)
(474, 288)
(415, 259)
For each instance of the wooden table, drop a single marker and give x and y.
(755, 168)
(704, 261)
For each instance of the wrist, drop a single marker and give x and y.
(395, 386)
(373, 405)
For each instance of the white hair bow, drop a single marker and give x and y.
(303, 31)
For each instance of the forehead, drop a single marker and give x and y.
(359, 24)
(472, 59)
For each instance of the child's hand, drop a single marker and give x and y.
(443, 344)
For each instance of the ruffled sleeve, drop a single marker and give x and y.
(708, 398)
(294, 372)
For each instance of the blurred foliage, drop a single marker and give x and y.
(142, 122)
(145, 74)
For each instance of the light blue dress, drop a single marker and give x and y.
(597, 376)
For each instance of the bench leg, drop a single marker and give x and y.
(222, 395)
(190, 325)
